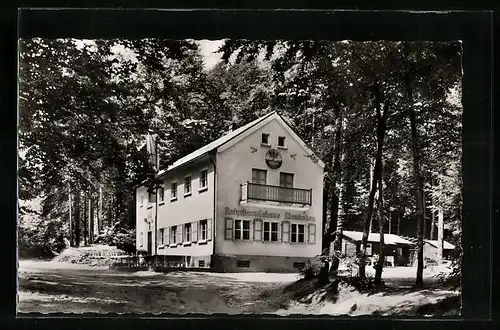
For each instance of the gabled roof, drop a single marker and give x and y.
(220, 142)
(389, 239)
(447, 246)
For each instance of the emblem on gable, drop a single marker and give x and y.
(273, 159)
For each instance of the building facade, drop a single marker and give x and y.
(249, 201)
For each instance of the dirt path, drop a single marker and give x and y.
(48, 287)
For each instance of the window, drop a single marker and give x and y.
(243, 263)
(161, 236)
(161, 194)
(242, 229)
(187, 232)
(259, 176)
(298, 233)
(203, 229)
(369, 250)
(201, 263)
(271, 231)
(173, 191)
(281, 141)
(203, 179)
(173, 235)
(142, 199)
(286, 180)
(265, 138)
(151, 197)
(141, 239)
(187, 186)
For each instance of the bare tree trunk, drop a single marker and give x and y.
(334, 206)
(91, 221)
(423, 211)
(377, 171)
(99, 212)
(381, 260)
(433, 213)
(400, 215)
(85, 225)
(440, 233)
(390, 222)
(433, 223)
(77, 217)
(418, 189)
(70, 218)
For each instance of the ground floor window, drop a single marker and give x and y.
(187, 232)
(173, 236)
(161, 236)
(242, 229)
(203, 229)
(298, 233)
(271, 231)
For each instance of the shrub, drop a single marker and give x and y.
(120, 236)
(309, 270)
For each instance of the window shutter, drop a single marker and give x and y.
(209, 228)
(179, 233)
(194, 231)
(257, 230)
(158, 237)
(166, 233)
(285, 232)
(229, 228)
(312, 233)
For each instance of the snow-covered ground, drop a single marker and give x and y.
(72, 287)
(353, 303)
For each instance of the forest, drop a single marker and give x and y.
(385, 118)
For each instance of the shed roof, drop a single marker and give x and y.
(434, 243)
(389, 239)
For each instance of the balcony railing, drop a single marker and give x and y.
(261, 192)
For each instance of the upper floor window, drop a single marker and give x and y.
(187, 185)
(259, 176)
(281, 141)
(203, 179)
(265, 138)
(151, 197)
(141, 199)
(286, 180)
(161, 194)
(173, 191)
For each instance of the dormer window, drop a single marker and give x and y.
(265, 139)
(281, 141)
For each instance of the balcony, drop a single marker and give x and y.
(277, 194)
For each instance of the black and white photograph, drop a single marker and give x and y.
(238, 176)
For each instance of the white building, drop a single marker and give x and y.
(249, 201)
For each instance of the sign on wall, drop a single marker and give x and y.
(268, 215)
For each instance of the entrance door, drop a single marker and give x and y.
(150, 243)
